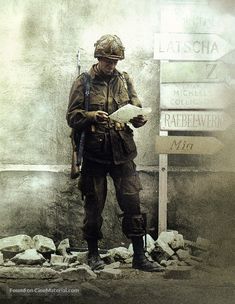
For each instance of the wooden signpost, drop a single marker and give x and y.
(193, 82)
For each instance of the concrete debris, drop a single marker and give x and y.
(43, 244)
(87, 289)
(9, 264)
(167, 237)
(56, 259)
(183, 254)
(63, 246)
(194, 245)
(75, 264)
(192, 262)
(80, 274)
(82, 257)
(120, 253)
(178, 273)
(162, 251)
(17, 243)
(178, 242)
(46, 264)
(29, 257)
(112, 265)
(28, 273)
(128, 261)
(69, 259)
(110, 274)
(107, 258)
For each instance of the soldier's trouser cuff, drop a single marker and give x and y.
(133, 225)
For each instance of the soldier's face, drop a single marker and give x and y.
(107, 66)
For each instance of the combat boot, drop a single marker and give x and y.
(93, 259)
(140, 261)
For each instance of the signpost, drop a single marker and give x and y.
(187, 145)
(194, 121)
(189, 33)
(195, 96)
(197, 47)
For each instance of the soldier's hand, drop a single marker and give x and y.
(101, 116)
(97, 116)
(138, 121)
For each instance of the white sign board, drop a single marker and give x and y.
(195, 96)
(196, 47)
(205, 71)
(189, 18)
(194, 121)
(187, 145)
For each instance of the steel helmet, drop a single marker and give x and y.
(109, 46)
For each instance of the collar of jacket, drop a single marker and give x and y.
(94, 73)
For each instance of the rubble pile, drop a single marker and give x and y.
(24, 257)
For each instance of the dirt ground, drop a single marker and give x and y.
(208, 286)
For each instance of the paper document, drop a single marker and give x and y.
(127, 112)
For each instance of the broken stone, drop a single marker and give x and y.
(79, 273)
(112, 265)
(29, 257)
(46, 264)
(69, 259)
(162, 251)
(150, 244)
(183, 254)
(28, 273)
(17, 243)
(174, 257)
(203, 242)
(9, 264)
(107, 258)
(163, 263)
(56, 259)
(44, 244)
(128, 261)
(75, 264)
(120, 253)
(58, 280)
(110, 274)
(178, 242)
(167, 237)
(63, 246)
(178, 273)
(87, 289)
(1, 259)
(82, 257)
(198, 259)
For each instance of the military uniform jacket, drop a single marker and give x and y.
(112, 142)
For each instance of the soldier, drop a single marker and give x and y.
(108, 148)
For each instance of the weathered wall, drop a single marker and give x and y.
(39, 42)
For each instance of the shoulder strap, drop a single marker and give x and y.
(124, 77)
(87, 90)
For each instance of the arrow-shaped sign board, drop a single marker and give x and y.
(205, 71)
(190, 18)
(195, 96)
(194, 121)
(187, 145)
(196, 47)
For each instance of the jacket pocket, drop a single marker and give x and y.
(127, 141)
